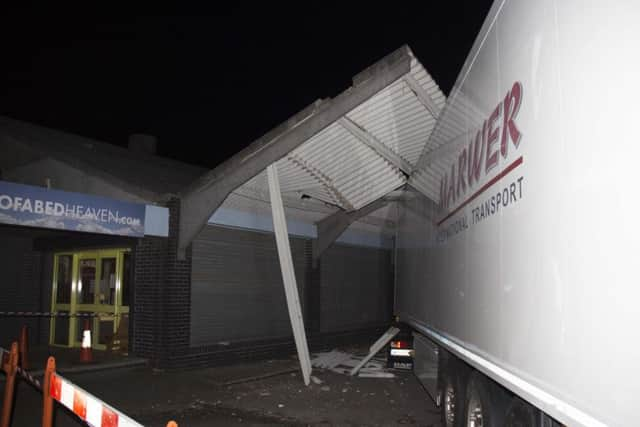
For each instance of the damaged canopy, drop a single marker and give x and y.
(335, 157)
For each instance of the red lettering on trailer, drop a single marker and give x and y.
(484, 188)
(483, 149)
(462, 163)
(492, 137)
(476, 152)
(509, 129)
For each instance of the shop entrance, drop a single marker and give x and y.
(95, 283)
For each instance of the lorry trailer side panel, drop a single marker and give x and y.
(527, 265)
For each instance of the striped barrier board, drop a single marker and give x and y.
(4, 357)
(86, 406)
(23, 373)
(30, 378)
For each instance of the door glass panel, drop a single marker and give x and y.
(105, 331)
(107, 294)
(61, 330)
(126, 274)
(87, 282)
(63, 284)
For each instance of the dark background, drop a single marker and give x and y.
(209, 85)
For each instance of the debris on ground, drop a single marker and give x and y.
(330, 360)
(250, 394)
(376, 374)
(343, 363)
(316, 380)
(375, 349)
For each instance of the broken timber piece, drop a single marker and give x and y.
(376, 347)
(376, 375)
(383, 340)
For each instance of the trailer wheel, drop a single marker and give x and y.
(521, 414)
(479, 409)
(452, 400)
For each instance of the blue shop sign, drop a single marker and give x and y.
(40, 207)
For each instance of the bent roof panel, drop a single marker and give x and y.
(345, 153)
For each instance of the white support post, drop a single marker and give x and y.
(288, 274)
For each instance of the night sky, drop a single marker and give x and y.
(207, 86)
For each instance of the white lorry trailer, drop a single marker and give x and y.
(521, 281)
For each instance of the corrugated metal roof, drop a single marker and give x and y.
(339, 170)
(446, 139)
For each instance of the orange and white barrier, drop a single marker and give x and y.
(10, 367)
(23, 347)
(86, 406)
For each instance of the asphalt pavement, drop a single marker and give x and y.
(260, 393)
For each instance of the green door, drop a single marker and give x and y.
(90, 283)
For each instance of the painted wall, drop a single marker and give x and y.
(354, 235)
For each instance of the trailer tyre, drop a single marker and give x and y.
(479, 410)
(452, 406)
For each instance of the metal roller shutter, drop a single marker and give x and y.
(355, 288)
(236, 290)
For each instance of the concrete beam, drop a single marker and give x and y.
(200, 200)
(288, 273)
(422, 95)
(331, 227)
(376, 145)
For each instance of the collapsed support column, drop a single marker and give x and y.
(288, 274)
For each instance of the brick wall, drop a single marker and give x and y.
(350, 325)
(161, 297)
(177, 291)
(20, 288)
(162, 309)
(149, 275)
